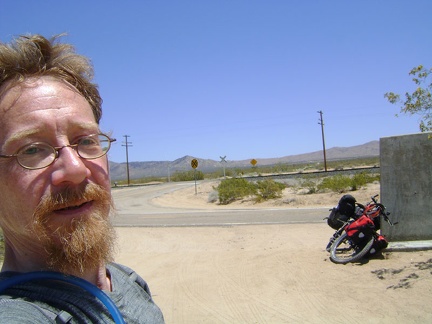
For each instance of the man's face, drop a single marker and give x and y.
(45, 209)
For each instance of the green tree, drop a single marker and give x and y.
(420, 101)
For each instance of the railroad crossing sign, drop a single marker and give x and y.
(253, 162)
(223, 159)
(194, 163)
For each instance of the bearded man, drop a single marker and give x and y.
(55, 194)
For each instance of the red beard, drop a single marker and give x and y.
(84, 242)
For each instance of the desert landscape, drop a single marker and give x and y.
(272, 273)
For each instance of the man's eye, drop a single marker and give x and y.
(33, 149)
(87, 141)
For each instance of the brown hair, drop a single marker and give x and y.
(36, 56)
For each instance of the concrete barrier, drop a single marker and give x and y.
(406, 186)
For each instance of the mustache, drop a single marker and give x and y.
(84, 242)
(72, 197)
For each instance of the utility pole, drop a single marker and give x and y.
(127, 144)
(321, 122)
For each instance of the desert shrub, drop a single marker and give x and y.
(268, 189)
(187, 176)
(341, 183)
(337, 183)
(234, 188)
(361, 179)
(310, 186)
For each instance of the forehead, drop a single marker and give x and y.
(43, 104)
(38, 93)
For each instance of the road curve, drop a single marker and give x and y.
(134, 208)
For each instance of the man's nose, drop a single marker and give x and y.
(69, 167)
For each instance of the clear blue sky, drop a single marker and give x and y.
(240, 78)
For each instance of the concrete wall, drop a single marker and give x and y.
(406, 186)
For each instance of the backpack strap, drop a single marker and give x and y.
(129, 272)
(62, 317)
(133, 276)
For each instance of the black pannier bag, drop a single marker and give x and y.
(342, 212)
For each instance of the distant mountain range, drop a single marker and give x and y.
(163, 168)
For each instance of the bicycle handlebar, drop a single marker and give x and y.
(383, 212)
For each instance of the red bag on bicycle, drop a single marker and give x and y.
(361, 230)
(379, 244)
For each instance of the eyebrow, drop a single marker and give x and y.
(19, 135)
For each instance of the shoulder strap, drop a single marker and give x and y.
(129, 272)
(62, 317)
(133, 276)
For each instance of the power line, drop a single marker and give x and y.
(127, 144)
(321, 122)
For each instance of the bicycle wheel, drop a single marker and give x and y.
(343, 251)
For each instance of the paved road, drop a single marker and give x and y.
(134, 208)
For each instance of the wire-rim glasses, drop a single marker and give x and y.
(40, 155)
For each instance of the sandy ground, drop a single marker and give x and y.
(272, 273)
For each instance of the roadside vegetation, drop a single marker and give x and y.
(233, 189)
(187, 176)
(338, 183)
(341, 183)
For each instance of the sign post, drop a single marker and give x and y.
(223, 160)
(194, 165)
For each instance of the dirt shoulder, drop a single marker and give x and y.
(273, 274)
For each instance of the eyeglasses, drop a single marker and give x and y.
(39, 155)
